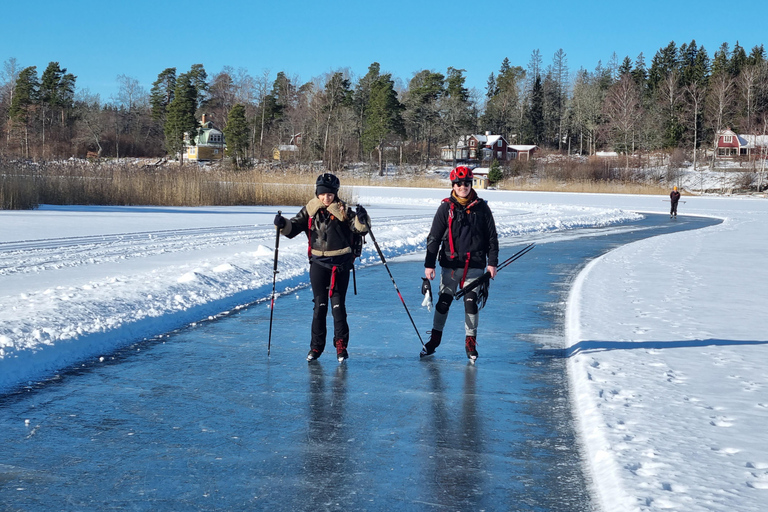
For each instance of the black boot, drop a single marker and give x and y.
(313, 354)
(470, 344)
(341, 350)
(434, 341)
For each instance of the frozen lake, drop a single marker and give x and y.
(201, 419)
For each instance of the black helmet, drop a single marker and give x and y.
(327, 184)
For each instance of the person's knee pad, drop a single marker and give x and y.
(321, 303)
(470, 303)
(443, 303)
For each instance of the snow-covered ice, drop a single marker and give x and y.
(664, 335)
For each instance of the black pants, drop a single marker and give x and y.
(673, 210)
(321, 278)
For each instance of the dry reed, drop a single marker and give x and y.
(25, 185)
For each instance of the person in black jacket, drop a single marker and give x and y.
(331, 226)
(674, 198)
(464, 239)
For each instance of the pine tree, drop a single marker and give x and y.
(738, 60)
(495, 173)
(626, 67)
(455, 85)
(25, 99)
(664, 62)
(384, 119)
(161, 94)
(361, 100)
(756, 56)
(490, 87)
(535, 114)
(180, 122)
(421, 113)
(721, 60)
(236, 134)
(640, 74)
(199, 79)
(57, 88)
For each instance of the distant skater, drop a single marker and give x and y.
(331, 227)
(464, 238)
(674, 198)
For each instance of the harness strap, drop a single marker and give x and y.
(464, 275)
(309, 238)
(451, 215)
(333, 281)
(450, 230)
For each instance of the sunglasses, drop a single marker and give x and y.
(464, 183)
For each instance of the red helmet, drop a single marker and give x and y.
(461, 173)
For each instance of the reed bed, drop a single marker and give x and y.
(582, 186)
(25, 185)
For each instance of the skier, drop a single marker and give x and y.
(464, 234)
(674, 198)
(332, 228)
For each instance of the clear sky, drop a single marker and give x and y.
(97, 41)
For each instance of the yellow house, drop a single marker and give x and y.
(209, 143)
(287, 151)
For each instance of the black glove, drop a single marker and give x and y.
(280, 221)
(361, 213)
(426, 286)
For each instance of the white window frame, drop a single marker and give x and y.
(727, 139)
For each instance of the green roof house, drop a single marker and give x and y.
(209, 143)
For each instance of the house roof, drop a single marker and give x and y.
(753, 141)
(204, 134)
(523, 147)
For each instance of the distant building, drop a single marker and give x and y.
(485, 148)
(730, 145)
(209, 143)
(286, 152)
(520, 151)
(480, 179)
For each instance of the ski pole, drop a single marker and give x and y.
(384, 261)
(487, 276)
(274, 278)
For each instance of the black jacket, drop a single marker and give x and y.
(473, 231)
(331, 233)
(674, 196)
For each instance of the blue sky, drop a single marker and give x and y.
(97, 41)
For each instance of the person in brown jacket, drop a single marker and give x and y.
(331, 227)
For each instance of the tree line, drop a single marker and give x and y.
(681, 100)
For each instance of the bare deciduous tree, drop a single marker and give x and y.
(623, 110)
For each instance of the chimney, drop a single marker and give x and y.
(202, 121)
(487, 133)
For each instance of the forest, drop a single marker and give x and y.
(678, 102)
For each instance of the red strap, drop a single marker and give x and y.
(333, 281)
(450, 231)
(309, 238)
(464, 275)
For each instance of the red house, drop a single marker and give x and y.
(730, 145)
(482, 148)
